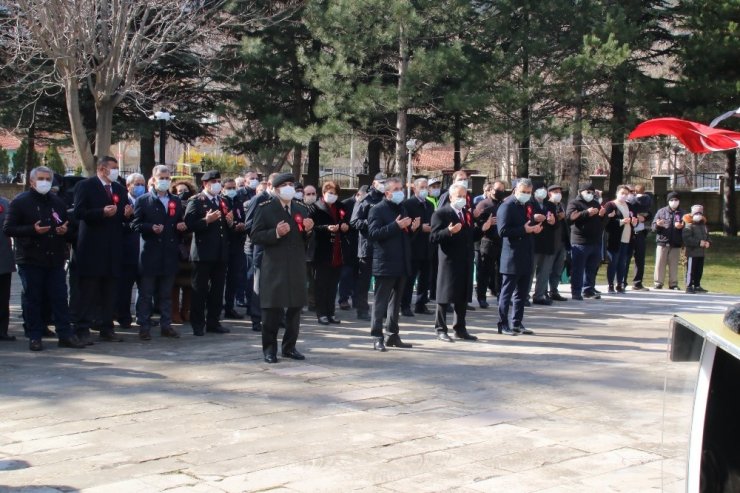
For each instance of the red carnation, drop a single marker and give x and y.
(172, 206)
(115, 198)
(299, 221)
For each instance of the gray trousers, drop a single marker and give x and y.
(541, 268)
(556, 271)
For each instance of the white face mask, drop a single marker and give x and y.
(215, 188)
(330, 198)
(622, 197)
(113, 174)
(588, 197)
(163, 185)
(522, 197)
(286, 193)
(540, 194)
(299, 195)
(556, 198)
(43, 186)
(673, 204)
(458, 204)
(253, 183)
(464, 183)
(309, 199)
(697, 218)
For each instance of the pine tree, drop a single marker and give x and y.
(4, 161)
(53, 160)
(19, 158)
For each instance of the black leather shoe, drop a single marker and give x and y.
(505, 330)
(169, 332)
(6, 338)
(555, 296)
(334, 320)
(35, 345)
(527, 303)
(219, 329)
(520, 329)
(363, 316)
(406, 312)
(423, 310)
(232, 315)
(145, 335)
(444, 337)
(85, 337)
(611, 289)
(110, 336)
(394, 340)
(592, 294)
(483, 304)
(542, 301)
(466, 336)
(198, 332)
(700, 289)
(271, 358)
(379, 345)
(576, 297)
(257, 326)
(470, 308)
(323, 320)
(294, 354)
(71, 342)
(125, 324)
(345, 306)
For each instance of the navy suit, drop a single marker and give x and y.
(130, 272)
(236, 271)
(516, 259)
(159, 258)
(420, 253)
(99, 252)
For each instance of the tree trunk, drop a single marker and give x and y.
(729, 222)
(30, 153)
(457, 138)
(296, 167)
(522, 169)
(146, 150)
(77, 127)
(618, 124)
(374, 147)
(313, 161)
(575, 165)
(403, 65)
(104, 128)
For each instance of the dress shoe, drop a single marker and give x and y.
(505, 330)
(423, 310)
(639, 287)
(257, 326)
(6, 338)
(345, 306)
(555, 296)
(483, 304)
(125, 324)
(232, 315)
(48, 333)
(198, 332)
(271, 358)
(465, 336)
(334, 320)
(110, 336)
(542, 301)
(597, 291)
(145, 334)
(620, 288)
(690, 290)
(218, 329)
(658, 285)
(520, 329)
(406, 312)
(611, 289)
(35, 345)
(85, 337)
(71, 342)
(592, 294)
(169, 332)
(379, 345)
(700, 289)
(394, 340)
(323, 320)
(293, 354)
(673, 288)
(470, 308)
(576, 297)
(444, 337)
(363, 316)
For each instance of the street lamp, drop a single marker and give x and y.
(410, 145)
(676, 150)
(163, 117)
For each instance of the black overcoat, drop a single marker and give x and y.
(159, 253)
(210, 241)
(455, 254)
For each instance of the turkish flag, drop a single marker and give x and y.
(697, 138)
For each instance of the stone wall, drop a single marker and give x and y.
(9, 190)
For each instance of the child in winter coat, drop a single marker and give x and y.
(696, 241)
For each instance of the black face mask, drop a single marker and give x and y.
(185, 196)
(499, 195)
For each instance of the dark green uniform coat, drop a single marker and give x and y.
(282, 277)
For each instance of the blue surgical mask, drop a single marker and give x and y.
(423, 194)
(397, 197)
(458, 204)
(434, 192)
(230, 193)
(523, 197)
(139, 190)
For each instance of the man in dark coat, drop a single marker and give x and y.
(136, 186)
(586, 219)
(7, 267)
(542, 211)
(102, 211)
(389, 228)
(419, 206)
(454, 233)
(158, 218)
(348, 277)
(208, 217)
(487, 272)
(281, 226)
(359, 221)
(236, 265)
(516, 231)
(643, 206)
(38, 221)
(561, 240)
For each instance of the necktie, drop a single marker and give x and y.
(215, 202)
(109, 192)
(459, 214)
(287, 209)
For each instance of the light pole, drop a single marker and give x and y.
(163, 117)
(410, 145)
(676, 150)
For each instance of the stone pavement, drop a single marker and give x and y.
(577, 407)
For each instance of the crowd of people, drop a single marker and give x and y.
(274, 247)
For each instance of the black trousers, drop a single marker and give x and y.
(637, 249)
(419, 269)
(326, 285)
(694, 271)
(271, 318)
(96, 303)
(388, 292)
(5, 302)
(364, 274)
(235, 273)
(458, 323)
(486, 274)
(310, 286)
(208, 292)
(129, 277)
(433, 267)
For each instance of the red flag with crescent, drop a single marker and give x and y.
(697, 138)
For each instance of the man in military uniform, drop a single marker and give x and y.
(281, 226)
(207, 216)
(236, 269)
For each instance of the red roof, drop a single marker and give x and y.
(8, 141)
(434, 158)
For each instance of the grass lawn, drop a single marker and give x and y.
(721, 268)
